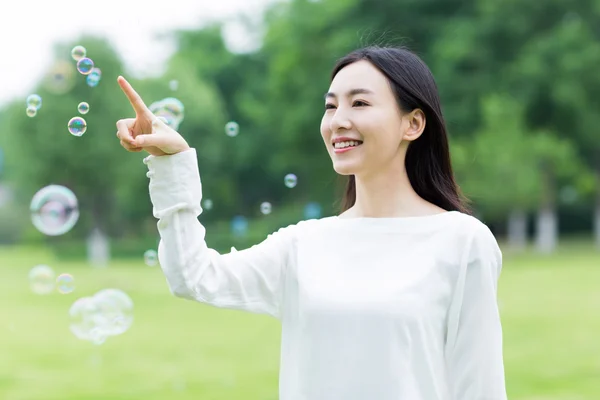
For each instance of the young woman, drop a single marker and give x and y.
(393, 299)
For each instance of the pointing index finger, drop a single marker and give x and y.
(136, 101)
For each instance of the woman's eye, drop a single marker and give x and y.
(329, 106)
(359, 103)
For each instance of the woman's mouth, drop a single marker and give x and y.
(342, 147)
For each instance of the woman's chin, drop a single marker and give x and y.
(345, 168)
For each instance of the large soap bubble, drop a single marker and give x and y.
(54, 210)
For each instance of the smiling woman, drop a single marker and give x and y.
(393, 299)
(396, 111)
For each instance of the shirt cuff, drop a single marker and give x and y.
(174, 181)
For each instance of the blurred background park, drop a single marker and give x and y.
(520, 92)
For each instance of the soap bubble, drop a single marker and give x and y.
(31, 112)
(60, 78)
(85, 66)
(174, 84)
(150, 258)
(239, 225)
(54, 210)
(290, 180)
(312, 211)
(77, 126)
(86, 320)
(232, 129)
(94, 77)
(207, 204)
(83, 108)
(116, 308)
(78, 52)
(65, 283)
(34, 100)
(265, 208)
(41, 279)
(92, 80)
(96, 72)
(170, 110)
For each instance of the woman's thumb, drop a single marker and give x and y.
(145, 140)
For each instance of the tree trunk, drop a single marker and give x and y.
(547, 217)
(517, 229)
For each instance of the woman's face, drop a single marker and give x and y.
(360, 106)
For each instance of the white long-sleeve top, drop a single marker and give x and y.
(370, 308)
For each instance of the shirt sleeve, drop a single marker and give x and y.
(249, 280)
(473, 349)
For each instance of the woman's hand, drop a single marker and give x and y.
(146, 131)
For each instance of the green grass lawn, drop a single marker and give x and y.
(178, 349)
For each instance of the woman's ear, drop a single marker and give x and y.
(415, 125)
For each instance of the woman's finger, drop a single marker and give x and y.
(129, 147)
(124, 129)
(134, 98)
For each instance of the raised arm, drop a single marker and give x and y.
(474, 336)
(250, 280)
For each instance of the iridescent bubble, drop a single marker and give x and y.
(83, 108)
(65, 283)
(77, 126)
(116, 309)
(54, 210)
(41, 279)
(86, 320)
(170, 110)
(78, 52)
(232, 129)
(290, 180)
(151, 258)
(207, 204)
(239, 226)
(85, 66)
(96, 72)
(265, 208)
(34, 101)
(174, 84)
(312, 211)
(31, 112)
(92, 80)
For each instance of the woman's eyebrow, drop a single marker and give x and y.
(351, 92)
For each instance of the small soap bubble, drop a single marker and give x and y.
(290, 180)
(173, 84)
(85, 66)
(34, 100)
(54, 210)
(207, 204)
(77, 126)
(92, 80)
(232, 129)
(96, 72)
(41, 279)
(265, 208)
(78, 52)
(151, 258)
(83, 108)
(239, 226)
(65, 283)
(312, 211)
(31, 112)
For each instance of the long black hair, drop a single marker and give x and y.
(427, 160)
